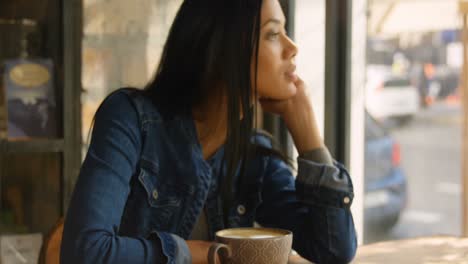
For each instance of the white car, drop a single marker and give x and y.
(389, 95)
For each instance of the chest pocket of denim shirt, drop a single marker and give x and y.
(165, 200)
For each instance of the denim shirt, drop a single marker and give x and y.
(144, 183)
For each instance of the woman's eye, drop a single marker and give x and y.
(273, 35)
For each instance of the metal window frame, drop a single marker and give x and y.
(344, 100)
(463, 9)
(338, 21)
(72, 15)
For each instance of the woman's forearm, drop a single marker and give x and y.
(303, 127)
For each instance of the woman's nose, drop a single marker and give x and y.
(290, 49)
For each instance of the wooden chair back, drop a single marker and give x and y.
(50, 250)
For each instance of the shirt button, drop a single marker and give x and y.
(346, 200)
(155, 194)
(241, 209)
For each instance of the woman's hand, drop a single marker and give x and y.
(298, 115)
(199, 250)
(286, 107)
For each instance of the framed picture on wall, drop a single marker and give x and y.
(30, 98)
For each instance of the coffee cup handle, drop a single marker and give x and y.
(213, 252)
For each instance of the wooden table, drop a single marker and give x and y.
(427, 250)
(296, 259)
(424, 250)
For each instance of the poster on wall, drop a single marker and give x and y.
(30, 98)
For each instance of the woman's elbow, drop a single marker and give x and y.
(343, 257)
(85, 248)
(345, 253)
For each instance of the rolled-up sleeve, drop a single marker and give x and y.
(315, 205)
(95, 211)
(324, 184)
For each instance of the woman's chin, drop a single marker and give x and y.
(284, 93)
(287, 93)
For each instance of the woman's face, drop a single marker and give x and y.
(276, 54)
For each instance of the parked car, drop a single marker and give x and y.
(390, 96)
(385, 181)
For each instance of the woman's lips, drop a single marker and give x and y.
(292, 76)
(291, 73)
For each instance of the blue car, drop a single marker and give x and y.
(385, 182)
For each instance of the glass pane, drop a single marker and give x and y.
(31, 91)
(121, 51)
(310, 38)
(413, 129)
(30, 196)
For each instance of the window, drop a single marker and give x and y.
(412, 169)
(120, 51)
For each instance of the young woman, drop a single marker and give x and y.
(173, 163)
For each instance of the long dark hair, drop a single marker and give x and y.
(212, 42)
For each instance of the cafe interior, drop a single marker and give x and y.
(79, 51)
